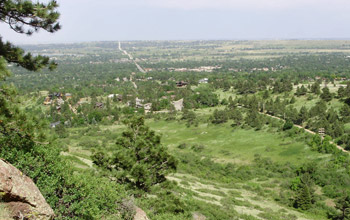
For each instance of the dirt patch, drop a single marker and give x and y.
(250, 197)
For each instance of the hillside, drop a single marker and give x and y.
(255, 129)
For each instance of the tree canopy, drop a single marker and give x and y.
(26, 17)
(140, 159)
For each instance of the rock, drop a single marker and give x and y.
(140, 214)
(20, 195)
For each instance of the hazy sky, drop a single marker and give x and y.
(105, 20)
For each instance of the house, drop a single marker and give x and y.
(57, 94)
(204, 80)
(60, 101)
(47, 101)
(139, 102)
(68, 95)
(181, 84)
(55, 124)
(111, 96)
(147, 107)
(99, 105)
(120, 98)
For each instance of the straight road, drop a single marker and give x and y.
(131, 58)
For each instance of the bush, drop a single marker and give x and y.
(288, 125)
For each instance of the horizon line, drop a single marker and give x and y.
(190, 40)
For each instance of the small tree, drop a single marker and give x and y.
(219, 116)
(237, 116)
(304, 198)
(326, 94)
(140, 159)
(288, 125)
(343, 205)
(189, 116)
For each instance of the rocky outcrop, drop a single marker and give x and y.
(20, 196)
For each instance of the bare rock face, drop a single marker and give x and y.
(20, 195)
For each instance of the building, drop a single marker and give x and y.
(68, 95)
(181, 84)
(204, 80)
(55, 124)
(99, 105)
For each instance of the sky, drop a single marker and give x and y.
(113, 20)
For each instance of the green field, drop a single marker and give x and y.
(226, 144)
(220, 142)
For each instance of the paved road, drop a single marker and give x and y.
(131, 58)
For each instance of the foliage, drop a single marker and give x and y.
(139, 158)
(343, 205)
(326, 95)
(190, 117)
(27, 17)
(303, 200)
(219, 116)
(288, 125)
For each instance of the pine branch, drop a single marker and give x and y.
(13, 54)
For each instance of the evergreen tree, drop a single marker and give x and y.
(303, 115)
(304, 198)
(343, 205)
(219, 116)
(26, 17)
(189, 116)
(237, 116)
(140, 159)
(345, 113)
(266, 94)
(341, 92)
(292, 100)
(255, 120)
(315, 88)
(326, 94)
(288, 125)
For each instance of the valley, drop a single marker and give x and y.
(256, 124)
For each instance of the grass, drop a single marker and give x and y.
(225, 144)
(220, 142)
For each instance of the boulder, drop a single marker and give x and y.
(20, 196)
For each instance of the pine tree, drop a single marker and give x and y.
(303, 115)
(326, 94)
(315, 88)
(304, 199)
(139, 157)
(343, 205)
(26, 17)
